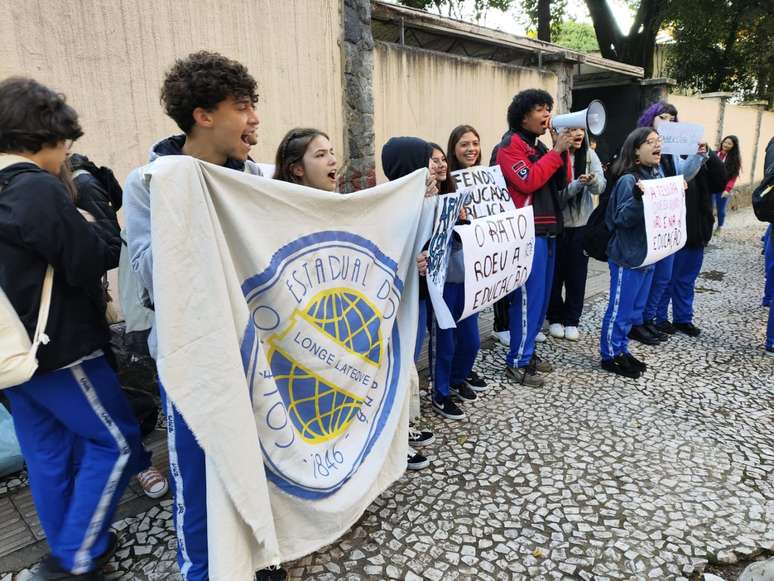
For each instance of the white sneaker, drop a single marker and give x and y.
(556, 330)
(571, 333)
(541, 338)
(154, 485)
(503, 337)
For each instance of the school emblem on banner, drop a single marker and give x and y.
(324, 375)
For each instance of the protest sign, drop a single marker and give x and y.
(498, 253)
(439, 249)
(486, 188)
(680, 138)
(664, 208)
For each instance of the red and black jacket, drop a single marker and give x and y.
(533, 176)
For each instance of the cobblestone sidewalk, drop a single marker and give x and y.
(594, 477)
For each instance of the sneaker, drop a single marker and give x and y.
(463, 392)
(666, 327)
(503, 337)
(540, 365)
(475, 382)
(571, 333)
(641, 334)
(271, 574)
(448, 409)
(541, 337)
(524, 376)
(621, 365)
(154, 485)
(416, 461)
(688, 328)
(419, 438)
(650, 327)
(636, 363)
(556, 330)
(51, 570)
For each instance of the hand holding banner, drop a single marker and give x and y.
(486, 187)
(664, 208)
(498, 253)
(680, 138)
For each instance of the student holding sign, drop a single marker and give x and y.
(571, 262)
(534, 176)
(627, 249)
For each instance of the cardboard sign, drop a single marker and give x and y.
(664, 208)
(680, 138)
(498, 253)
(486, 187)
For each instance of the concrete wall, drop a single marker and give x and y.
(426, 94)
(703, 111)
(109, 58)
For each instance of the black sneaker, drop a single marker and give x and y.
(463, 392)
(666, 327)
(650, 326)
(51, 570)
(416, 461)
(419, 438)
(688, 328)
(271, 574)
(621, 365)
(636, 363)
(641, 334)
(448, 409)
(540, 365)
(524, 376)
(475, 382)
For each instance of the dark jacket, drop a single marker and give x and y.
(625, 219)
(699, 220)
(39, 225)
(534, 177)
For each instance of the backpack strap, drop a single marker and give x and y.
(45, 304)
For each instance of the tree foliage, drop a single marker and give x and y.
(576, 36)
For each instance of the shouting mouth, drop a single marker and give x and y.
(249, 138)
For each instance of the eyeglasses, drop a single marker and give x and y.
(658, 141)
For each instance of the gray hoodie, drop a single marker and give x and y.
(137, 212)
(576, 197)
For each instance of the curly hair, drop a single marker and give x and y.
(524, 102)
(204, 79)
(649, 115)
(33, 116)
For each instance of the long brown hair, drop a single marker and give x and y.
(449, 185)
(291, 151)
(454, 138)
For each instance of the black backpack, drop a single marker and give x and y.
(596, 235)
(763, 199)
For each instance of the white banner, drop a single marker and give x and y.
(287, 345)
(664, 207)
(486, 187)
(498, 254)
(446, 216)
(680, 138)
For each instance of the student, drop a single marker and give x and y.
(768, 170)
(74, 425)
(534, 176)
(731, 158)
(571, 262)
(212, 100)
(688, 260)
(629, 285)
(645, 328)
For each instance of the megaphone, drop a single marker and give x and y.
(592, 119)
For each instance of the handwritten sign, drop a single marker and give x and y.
(486, 187)
(439, 249)
(664, 207)
(498, 253)
(680, 138)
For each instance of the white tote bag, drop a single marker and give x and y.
(18, 360)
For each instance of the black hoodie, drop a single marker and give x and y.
(404, 155)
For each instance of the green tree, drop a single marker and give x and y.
(577, 36)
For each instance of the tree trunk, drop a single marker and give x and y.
(544, 20)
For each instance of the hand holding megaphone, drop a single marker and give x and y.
(563, 139)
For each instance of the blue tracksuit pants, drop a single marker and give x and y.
(720, 207)
(189, 489)
(768, 256)
(628, 293)
(770, 278)
(455, 350)
(82, 444)
(529, 303)
(421, 327)
(662, 276)
(681, 289)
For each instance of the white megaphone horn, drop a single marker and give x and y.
(592, 119)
